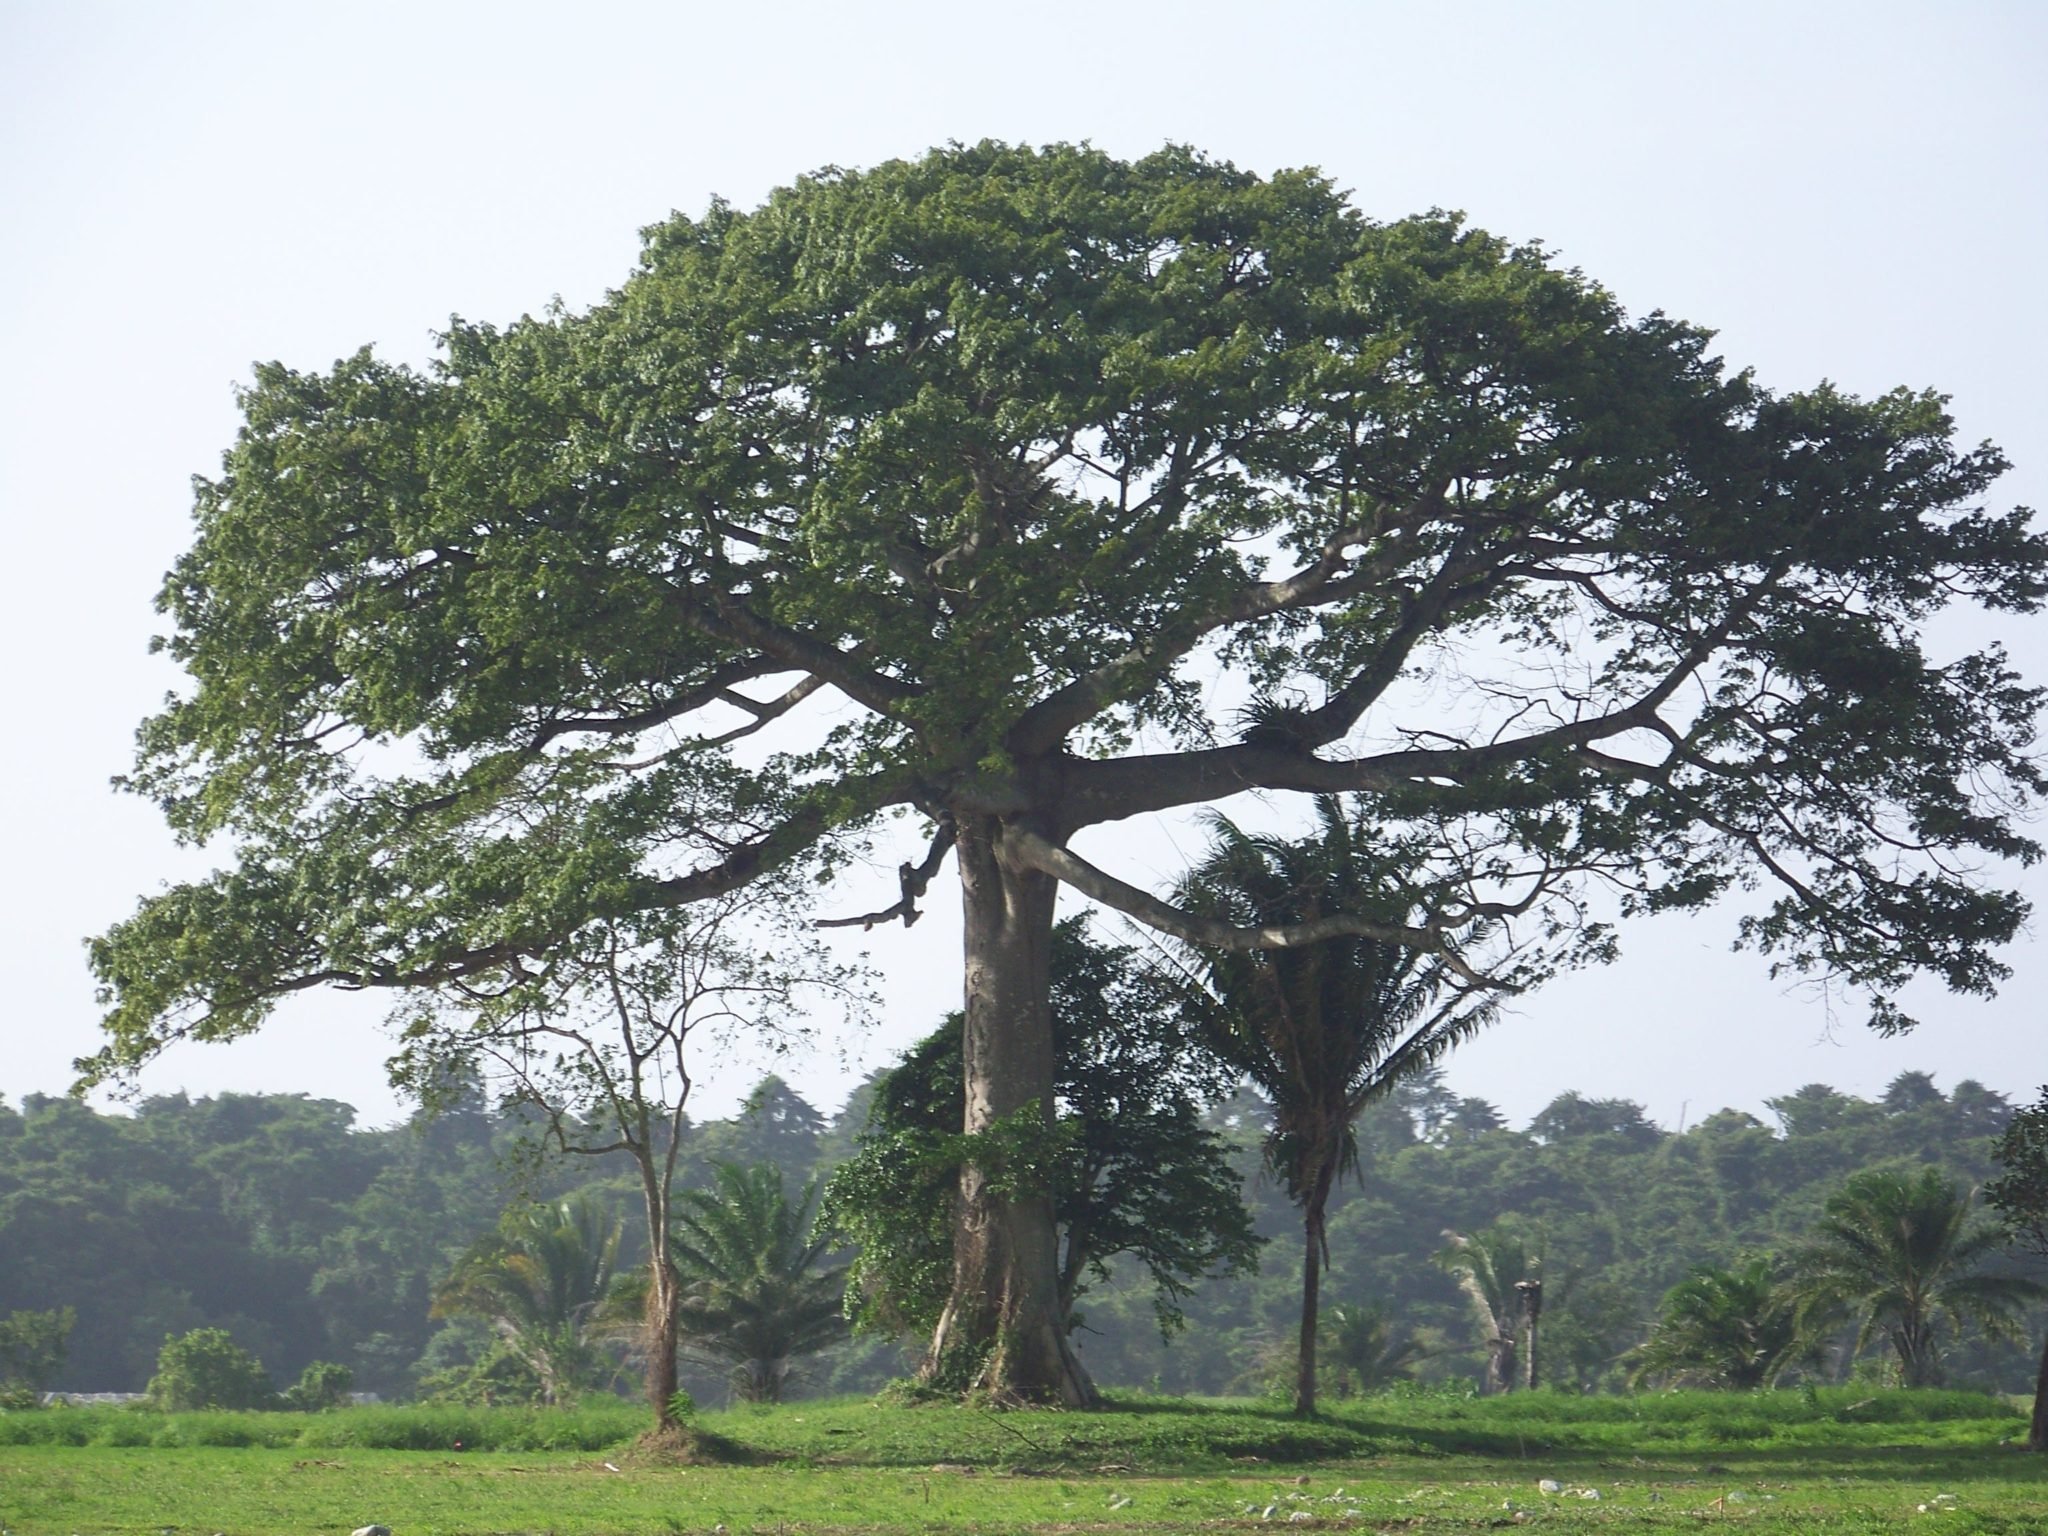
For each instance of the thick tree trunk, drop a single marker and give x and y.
(1004, 1317)
(2037, 1434)
(1919, 1358)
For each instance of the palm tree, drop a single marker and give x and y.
(1903, 1253)
(1500, 1274)
(1363, 1350)
(1321, 1029)
(754, 1297)
(541, 1281)
(1721, 1328)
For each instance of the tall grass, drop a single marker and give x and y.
(594, 1426)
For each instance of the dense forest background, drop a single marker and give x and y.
(307, 1238)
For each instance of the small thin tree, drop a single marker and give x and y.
(597, 1045)
(1321, 1028)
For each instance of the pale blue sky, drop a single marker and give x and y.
(1852, 191)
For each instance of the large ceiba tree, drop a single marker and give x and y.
(952, 489)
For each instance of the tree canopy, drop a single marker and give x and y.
(944, 489)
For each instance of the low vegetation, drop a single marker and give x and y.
(1413, 1460)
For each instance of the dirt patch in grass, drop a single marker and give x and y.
(682, 1445)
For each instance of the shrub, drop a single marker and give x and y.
(31, 1354)
(323, 1384)
(206, 1368)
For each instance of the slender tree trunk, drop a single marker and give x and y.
(1311, 1294)
(2037, 1434)
(664, 1296)
(1500, 1360)
(1315, 1250)
(1531, 1294)
(1005, 1312)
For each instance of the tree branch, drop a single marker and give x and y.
(714, 689)
(725, 618)
(1048, 722)
(913, 879)
(1213, 933)
(1115, 788)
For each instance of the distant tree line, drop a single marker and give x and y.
(310, 1242)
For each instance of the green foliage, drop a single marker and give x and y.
(1900, 1256)
(159, 1222)
(321, 1385)
(32, 1346)
(2020, 1192)
(206, 1368)
(1363, 1350)
(498, 1375)
(596, 1424)
(541, 1281)
(995, 444)
(1130, 1167)
(755, 1297)
(893, 1201)
(1733, 1328)
(1004, 451)
(1570, 1114)
(1321, 1029)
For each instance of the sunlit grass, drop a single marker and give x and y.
(1776, 1462)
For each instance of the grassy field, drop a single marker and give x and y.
(1782, 1462)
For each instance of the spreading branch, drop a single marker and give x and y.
(1028, 848)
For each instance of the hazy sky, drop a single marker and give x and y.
(1851, 191)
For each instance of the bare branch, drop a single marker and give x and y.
(912, 878)
(716, 688)
(721, 616)
(1213, 933)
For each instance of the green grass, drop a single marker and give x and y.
(1782, 1462)
(591, 1427)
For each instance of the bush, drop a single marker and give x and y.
(31, 1354)
(206, 1368)
(323, 1384)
